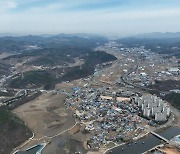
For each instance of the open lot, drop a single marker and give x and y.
(46, 116)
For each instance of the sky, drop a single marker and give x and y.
(106, 17)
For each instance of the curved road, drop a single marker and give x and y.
(124, 78)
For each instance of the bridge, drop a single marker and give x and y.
(160, 137)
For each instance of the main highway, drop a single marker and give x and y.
(124, 78)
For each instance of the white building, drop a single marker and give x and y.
(154, 107)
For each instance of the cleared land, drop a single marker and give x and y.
(46, 116)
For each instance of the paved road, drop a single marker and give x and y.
(124, 78)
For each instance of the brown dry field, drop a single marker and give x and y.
(46, 115)
(170, 151)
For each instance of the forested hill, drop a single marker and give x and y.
(13, 132)
(23, 43)
(52, 59)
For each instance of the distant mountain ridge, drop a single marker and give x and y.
(158, 35)
(20, 43)
(84, 35)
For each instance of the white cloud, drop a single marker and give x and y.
(107, 21)
(6, 5)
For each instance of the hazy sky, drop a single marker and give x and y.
(111, 17)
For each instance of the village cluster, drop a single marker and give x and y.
(111, 116)
(115, 110)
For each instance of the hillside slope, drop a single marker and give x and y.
(13, 132)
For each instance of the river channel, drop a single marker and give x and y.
(146, 143)
(137, 147)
